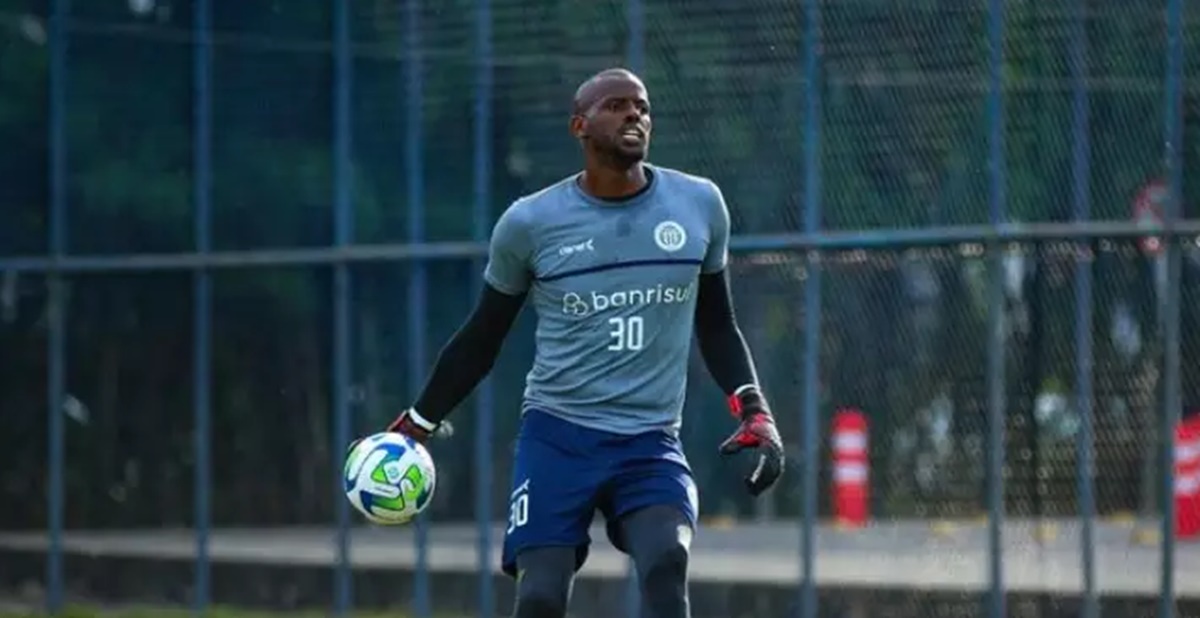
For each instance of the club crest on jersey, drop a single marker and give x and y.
(670, 236)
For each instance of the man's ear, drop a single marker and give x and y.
(576, 126)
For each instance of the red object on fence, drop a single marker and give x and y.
(1187, 479)
(850, 468)
(1148, 212)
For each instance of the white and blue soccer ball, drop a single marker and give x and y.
(389, 478)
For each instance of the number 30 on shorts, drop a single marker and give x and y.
(518, 512)
(628, 333)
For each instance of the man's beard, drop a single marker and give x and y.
(614, 156)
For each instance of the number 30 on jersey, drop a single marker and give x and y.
(628, 333)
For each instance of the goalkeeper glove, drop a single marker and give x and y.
(413, 425)
(757, 431)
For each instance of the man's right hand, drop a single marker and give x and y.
(413, 425)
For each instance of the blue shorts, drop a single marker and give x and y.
(564, 473)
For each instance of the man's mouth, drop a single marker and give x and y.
(632, 136)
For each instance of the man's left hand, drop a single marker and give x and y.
(757, 431)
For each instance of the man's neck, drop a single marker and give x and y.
(611, 183)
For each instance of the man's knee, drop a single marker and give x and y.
(659, 539)
(665, 562)
(544, 577)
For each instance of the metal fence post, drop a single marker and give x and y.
(481, 216)
(202, 295)
(995, 324)
(635, 23)
(343, 231)
(418, 289)
(56, 339)
(1172, 401)
(635, 56)
(812, 306)
(1082, 206)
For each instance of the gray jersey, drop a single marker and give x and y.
(613, 285)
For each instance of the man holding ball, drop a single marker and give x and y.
(623, 262)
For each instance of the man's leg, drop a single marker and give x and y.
(658, 539)
(550, 510)
(651, 509)
(544, 578)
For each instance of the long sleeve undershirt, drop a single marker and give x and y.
(469, 355)
(722, 345)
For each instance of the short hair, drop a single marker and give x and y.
(577, 102)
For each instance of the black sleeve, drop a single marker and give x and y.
(469, 355)
(722, 346)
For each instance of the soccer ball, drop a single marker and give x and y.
(389, 478)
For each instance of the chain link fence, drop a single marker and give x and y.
(906, 130)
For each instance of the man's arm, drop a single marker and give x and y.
(728, 357)
(472, 351)
(464, 361)
(722, 345)
(729, 362)
(721, 342)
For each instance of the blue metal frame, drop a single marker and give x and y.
(1081, 201)
(635, 23)
(418, 282)
(810, 414)
(57, 265)
(995, 324)
(56, 339)
(1172, 400)
(202, 297)
(635, 57)
(343, 235)
(481, 217)
(459, 250)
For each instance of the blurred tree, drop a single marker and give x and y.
(904, 144)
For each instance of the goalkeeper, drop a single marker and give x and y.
(622, 263)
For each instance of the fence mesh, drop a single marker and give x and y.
(23, 127)
(905, 131)
(129, 151)
(905, 94)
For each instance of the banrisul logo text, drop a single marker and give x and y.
(587, 303)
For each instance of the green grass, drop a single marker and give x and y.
(154, 612)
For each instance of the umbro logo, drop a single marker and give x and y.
(577, 248)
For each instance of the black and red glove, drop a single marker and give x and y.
(756, 430)
(411, 424)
